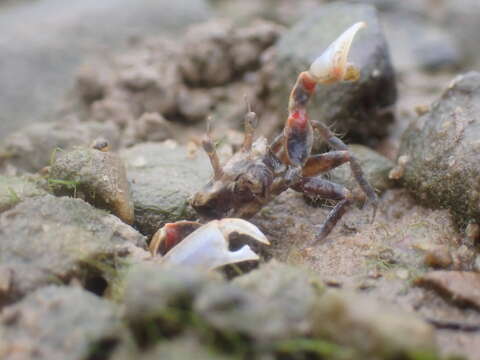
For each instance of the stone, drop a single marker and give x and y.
(180, 348)
(32, 148)
(38, 66)
(100, 176)
(460, 287)
(16, 189)
(152, 291)
(259, 305)
(150, 127)
(375, 167)
(438, 257)
(60, 323)
(45, 240)
(361, 110)
(442, 148)
(206, 72)
(418, 44)
(163, 177)
(374, 330)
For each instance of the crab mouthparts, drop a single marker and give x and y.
(332, 66)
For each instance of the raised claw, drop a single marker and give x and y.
(332, 65)
(207, 247)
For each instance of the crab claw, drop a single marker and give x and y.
(170, 235)
(332, 65)
(207, 248)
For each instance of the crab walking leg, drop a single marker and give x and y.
(207, 248)
(327, 190)
(320, 163)
(337, 144)
(251, 123)
(209, 148)
(328, 68)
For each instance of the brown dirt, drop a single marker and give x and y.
(381, 259)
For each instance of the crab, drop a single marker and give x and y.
(260, 171)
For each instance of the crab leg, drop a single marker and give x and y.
(329, 68)
(355, 167)
(207, 247)
(251, 123)
(209, 148)
(327, 190)
(321, 163)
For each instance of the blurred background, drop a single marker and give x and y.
(44, 43)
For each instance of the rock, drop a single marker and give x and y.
(163, 177)
(259, 305)
(16, 189)
(375, 167)
(60, 323)
(476, 264)
(419, 44)
(372, 329)
(208, 71)
(46, 240)
(38, 66)
(152, 291)
(438, 257)
(215, 52)
(360, 109)
(100, 176)
(180, 348)
(149, 127)
(460, 18)
(461, 287)
(442, 149)
(32, 148)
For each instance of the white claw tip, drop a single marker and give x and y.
(332, 65)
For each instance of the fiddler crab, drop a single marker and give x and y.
(259, 172)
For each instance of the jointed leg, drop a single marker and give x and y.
(251, 123)
(209, 148)
(327, 190)
(357, 171)
(321, 163)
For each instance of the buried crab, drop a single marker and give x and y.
(259, 172)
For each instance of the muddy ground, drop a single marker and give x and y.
(416, 266)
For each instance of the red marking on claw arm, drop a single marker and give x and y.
(173, 236)
(308, 83)
(298, 119)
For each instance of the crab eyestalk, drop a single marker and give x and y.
(251, 123)
(209, 148)
(330, 67)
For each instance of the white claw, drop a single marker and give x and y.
(207, 247)
(332, 65)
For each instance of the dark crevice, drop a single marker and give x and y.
(102, 349)
(96, 284)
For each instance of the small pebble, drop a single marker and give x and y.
(476, 264)
(402, 274)
(438, 257)
(472, 232)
